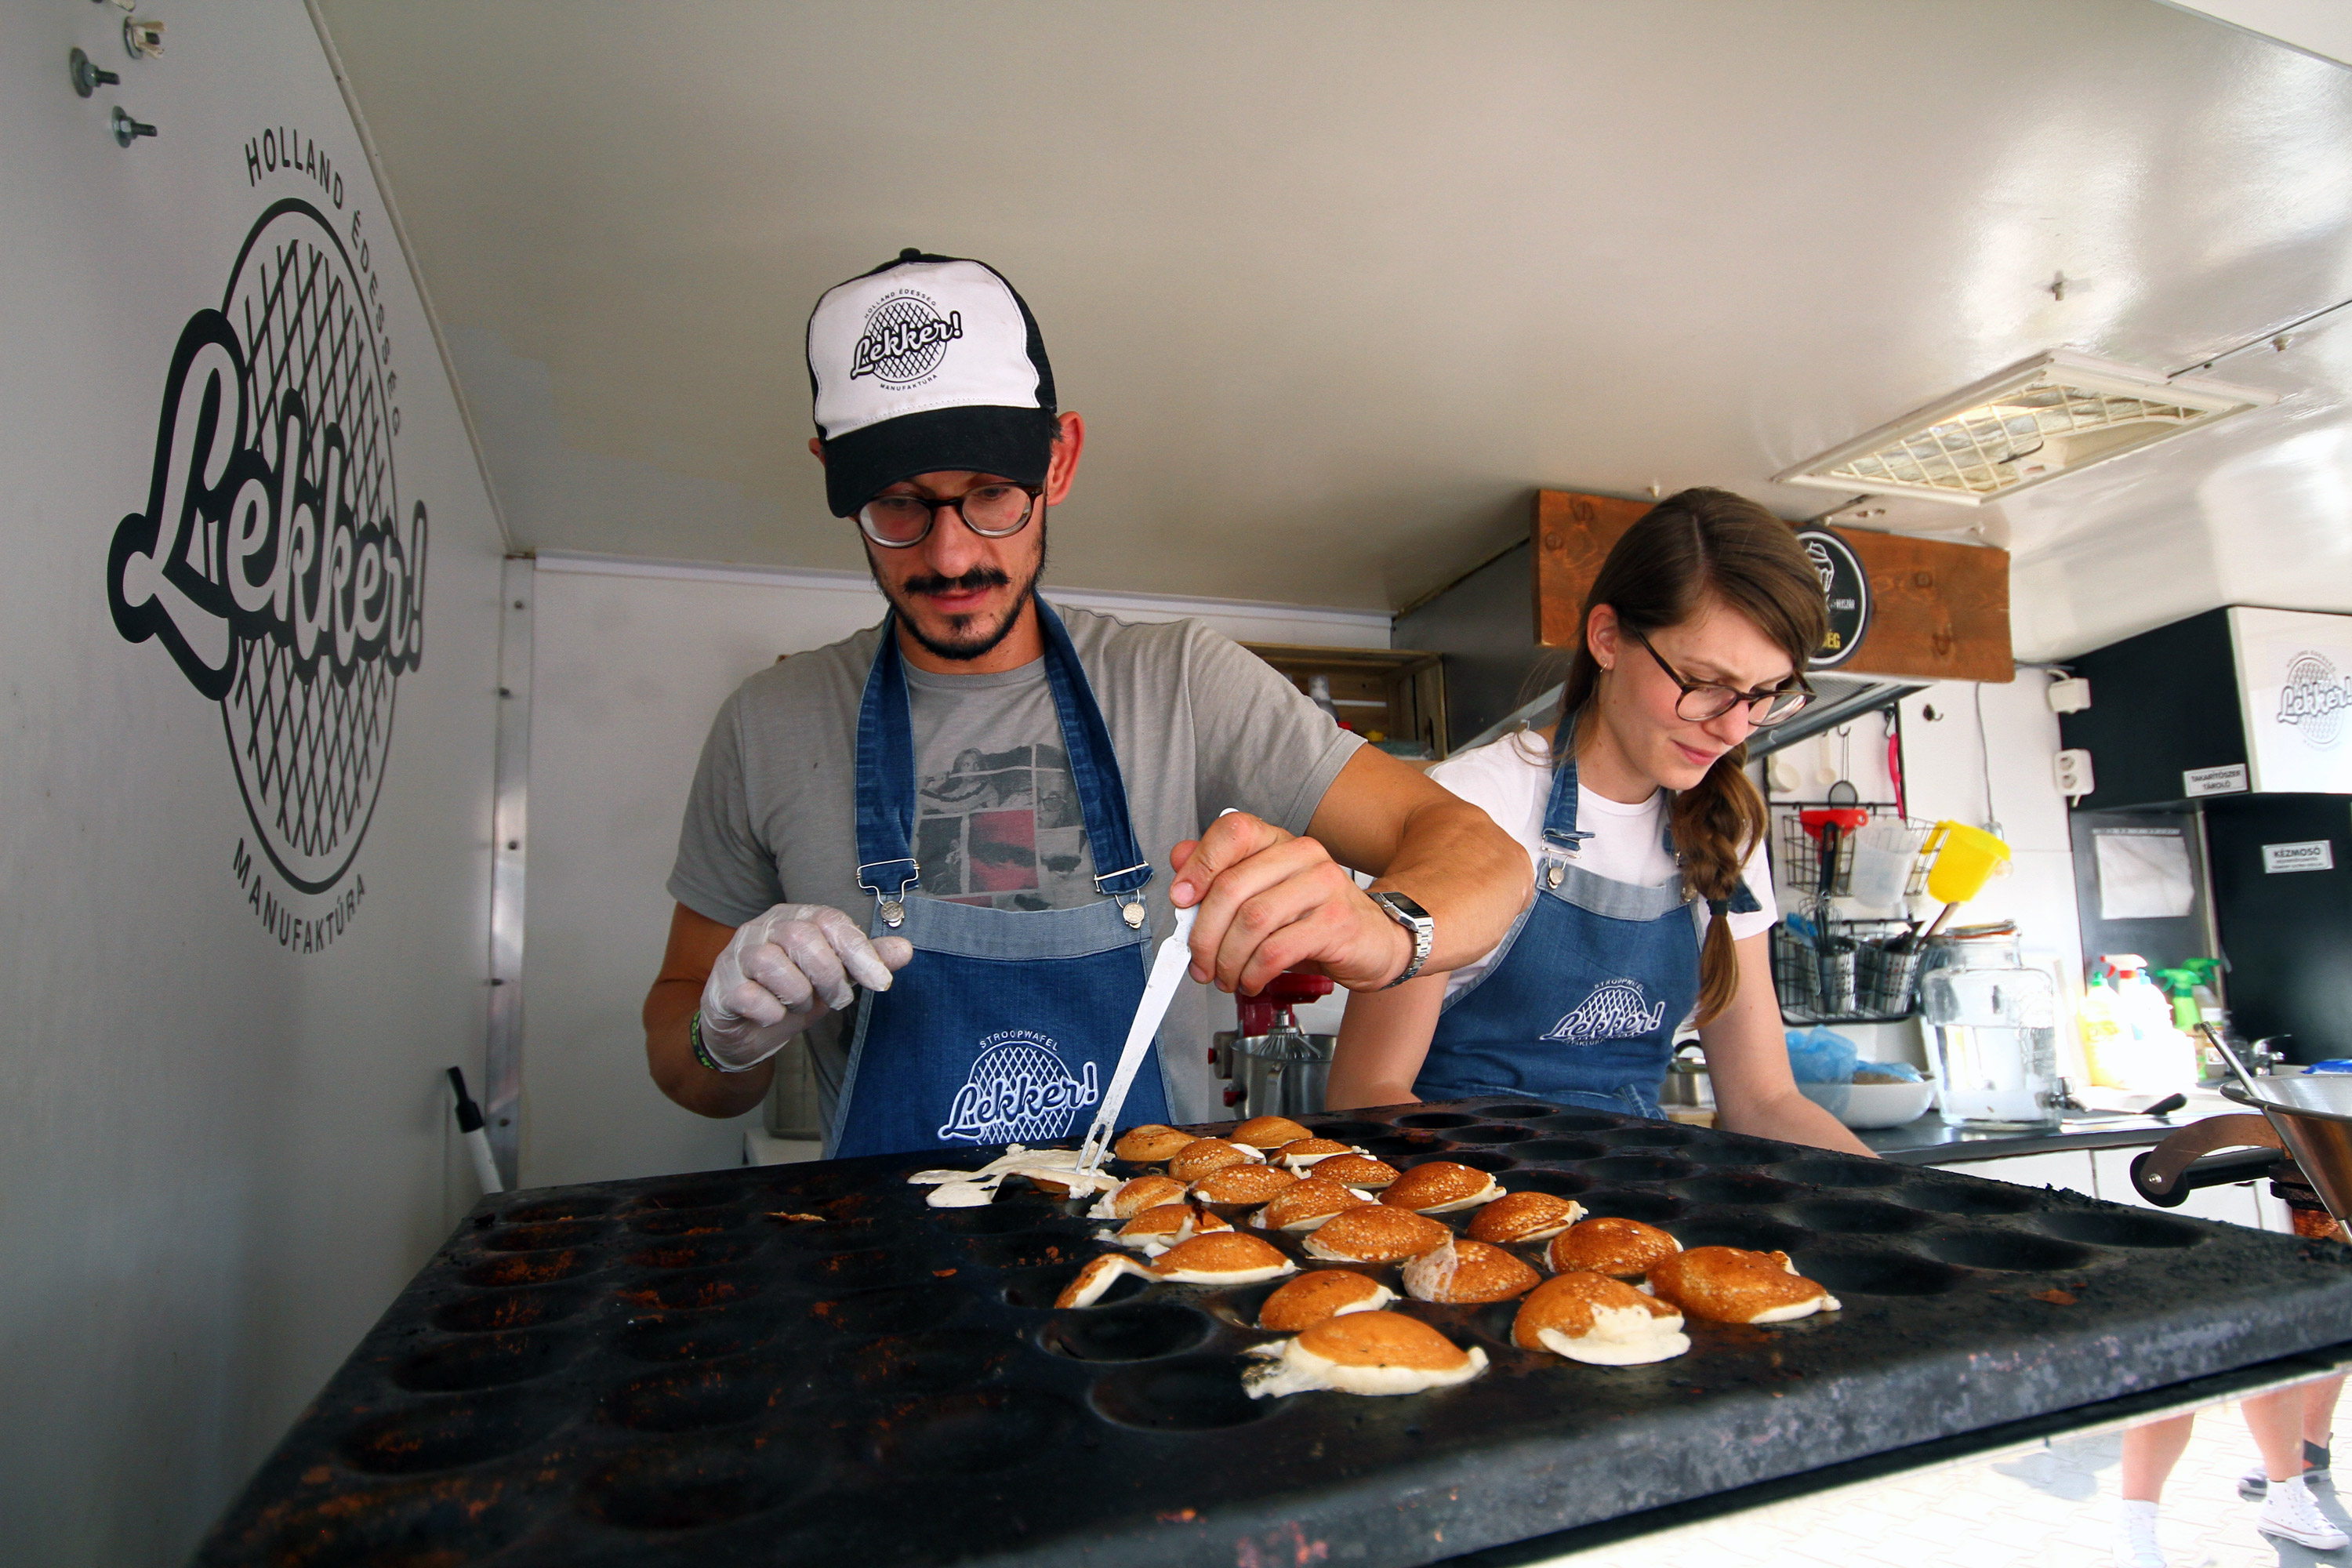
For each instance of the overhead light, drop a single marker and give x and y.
(2050, 416)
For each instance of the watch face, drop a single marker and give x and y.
(1404, 906)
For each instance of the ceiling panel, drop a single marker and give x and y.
(1337, 285)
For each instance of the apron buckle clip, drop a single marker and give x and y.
(1132, 911)
(1554, 872)
(893, 906)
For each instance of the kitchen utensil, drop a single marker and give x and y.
(808, 1363)
(1884, 850)
(1965, 860)
(1885, 975)
(1168, 968)
(1826, 826)
(1834, 954)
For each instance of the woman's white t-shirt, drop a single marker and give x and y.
(1511, 778)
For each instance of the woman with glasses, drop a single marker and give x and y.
(1649, 904)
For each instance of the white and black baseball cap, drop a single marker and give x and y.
(927, 363)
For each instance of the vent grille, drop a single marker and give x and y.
(2030, 423)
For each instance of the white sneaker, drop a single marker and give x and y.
(2135, 1544)
(2289, 1512)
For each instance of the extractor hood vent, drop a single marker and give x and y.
(2050, 416)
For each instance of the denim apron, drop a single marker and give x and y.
(1006, 1025)
(1582, 1001)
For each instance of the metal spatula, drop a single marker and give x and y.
(1167, 967)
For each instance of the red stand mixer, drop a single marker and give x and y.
(1271, 1066)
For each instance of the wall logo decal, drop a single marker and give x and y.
(2314, 700)
(905, 339)
(1613, 1010)
(273, 560)
(1846, 587)
(1018, 1091)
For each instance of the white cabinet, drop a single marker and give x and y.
(2106, 1174)
(2064, 1168)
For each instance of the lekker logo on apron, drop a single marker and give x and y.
(1006, 1025)
(1630, 952)
(1613, 1010)
(1019, 1091)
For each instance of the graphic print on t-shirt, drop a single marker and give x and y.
(1002, 829)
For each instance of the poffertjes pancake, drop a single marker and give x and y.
(1243, 1185)
(1143, 1193)
(1362, 1352)
(1203, 1155)
(1165, 1225)
(1321, 1293)
(1227, 1258)
(1096, 1276)
(1733, 1286)
(1301, 1154)
(1150, 1143)
(1466, 1271)
(1598, 1320)
(1442, 1186)
(1358, 1171)
(1517, 1217)
(1620, 1248)
(1376, 1234)
(1269, 1131)
(1306, 1205)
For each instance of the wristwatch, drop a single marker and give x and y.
(1415, 920)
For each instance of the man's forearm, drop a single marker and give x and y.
(670, 1055)
(1470, 876)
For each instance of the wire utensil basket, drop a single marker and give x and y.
(1797, 855)
(1854, 977)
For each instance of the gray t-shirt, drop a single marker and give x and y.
(997, 820)
(1198, 724)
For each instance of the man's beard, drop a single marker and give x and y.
(970, 637)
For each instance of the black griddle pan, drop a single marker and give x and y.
(670, 1372)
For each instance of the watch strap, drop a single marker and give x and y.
(1420, 926)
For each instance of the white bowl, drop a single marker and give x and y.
(1864, 1105)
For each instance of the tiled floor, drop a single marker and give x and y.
(2054, 1508)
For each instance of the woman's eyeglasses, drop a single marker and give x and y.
(992, 510)
(1702, 700)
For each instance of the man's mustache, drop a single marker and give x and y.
(978, 577)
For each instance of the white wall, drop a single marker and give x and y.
(630, 661)
(219, 1159)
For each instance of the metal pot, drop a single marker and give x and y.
(1280, 1074)
(2304, 1130)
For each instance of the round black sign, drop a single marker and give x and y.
(1846, 586)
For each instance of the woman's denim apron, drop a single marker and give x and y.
(1582, 1001)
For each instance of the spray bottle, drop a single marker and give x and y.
(2206, 992)
(2157, 1057)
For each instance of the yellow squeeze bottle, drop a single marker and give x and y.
(2107, 1044)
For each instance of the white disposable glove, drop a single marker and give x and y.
(784, 971)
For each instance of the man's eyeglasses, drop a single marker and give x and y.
(990, 510)
(1702, 700)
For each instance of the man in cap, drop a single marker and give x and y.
(937, 848)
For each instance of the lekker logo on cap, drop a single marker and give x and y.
(927, 363)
